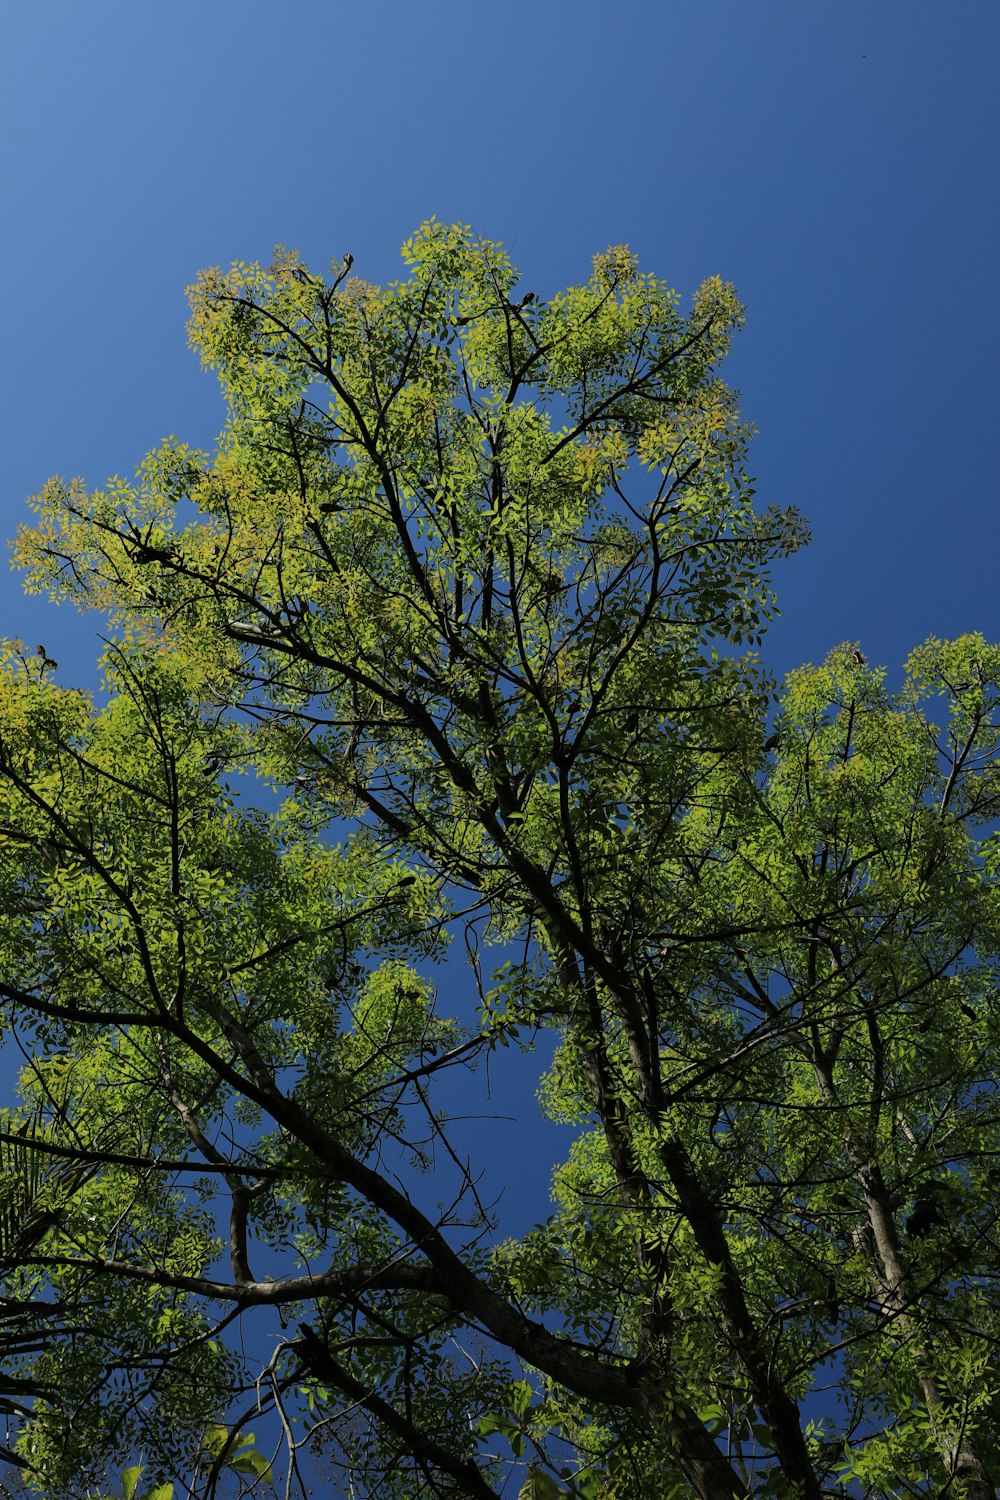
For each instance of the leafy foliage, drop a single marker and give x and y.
(475, 582)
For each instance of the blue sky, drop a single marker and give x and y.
(837, 162)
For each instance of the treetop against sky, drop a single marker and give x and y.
(835, 165)
(477, 580)
(436, 765)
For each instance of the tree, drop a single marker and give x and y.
(475, 582)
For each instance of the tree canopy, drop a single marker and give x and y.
(474, 586)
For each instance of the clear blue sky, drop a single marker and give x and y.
(837, 162)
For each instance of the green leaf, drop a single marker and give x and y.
(253, 1463)
(540, 1486)
(130, 1481)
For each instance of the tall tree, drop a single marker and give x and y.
(476, 582)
